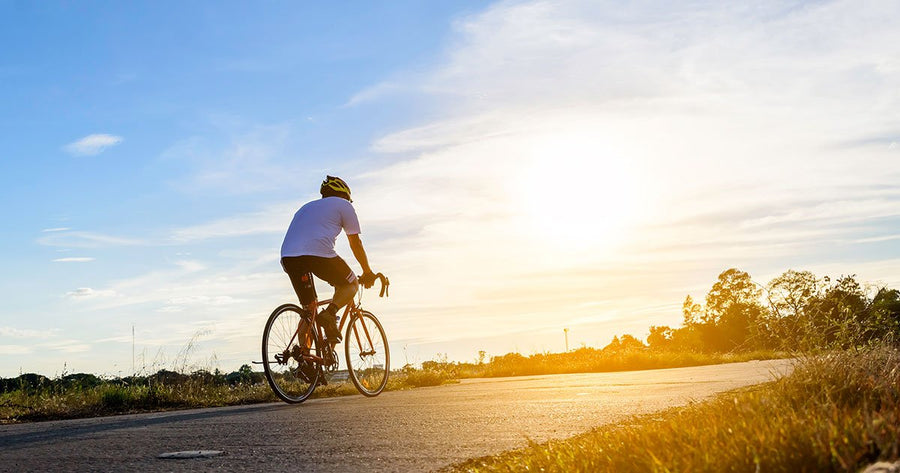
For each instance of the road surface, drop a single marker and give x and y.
(418, 430)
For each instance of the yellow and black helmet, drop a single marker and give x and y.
(335, 184)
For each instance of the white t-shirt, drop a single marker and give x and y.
(316, 225)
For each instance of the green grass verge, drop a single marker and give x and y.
(836, 412)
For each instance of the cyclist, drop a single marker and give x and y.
(309, 248)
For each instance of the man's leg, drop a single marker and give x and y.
(343, 294)
(297, 270)
(336, 272)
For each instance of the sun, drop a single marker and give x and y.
(576, 193)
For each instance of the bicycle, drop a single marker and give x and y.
(296, 357)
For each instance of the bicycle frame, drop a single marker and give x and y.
(350, 312)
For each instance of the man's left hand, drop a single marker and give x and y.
(367, 279)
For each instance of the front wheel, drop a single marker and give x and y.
(289, 351)
(367, 353)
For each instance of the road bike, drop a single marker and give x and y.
(297, 356)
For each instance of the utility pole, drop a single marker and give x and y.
(567, 339)
(132, 350)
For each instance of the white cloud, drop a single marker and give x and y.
(182, 303)
(272, 219)
(66, 238)
(88, 293)
(24, 333)
(68, 346)
(375, 92)
(190, 266)
(92, 145)
(16, 350)
(240, 281)
(240, 158)
(75, 259)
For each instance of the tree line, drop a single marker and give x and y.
(32, 382)
(796, 311)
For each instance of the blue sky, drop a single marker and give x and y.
(519, 167)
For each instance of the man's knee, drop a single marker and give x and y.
(353, 287)
(345, 292)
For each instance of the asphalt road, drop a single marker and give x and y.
(418, 430)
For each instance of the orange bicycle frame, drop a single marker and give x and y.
(350, 312)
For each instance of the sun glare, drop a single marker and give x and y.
(576, 194)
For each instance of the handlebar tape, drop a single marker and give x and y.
(385, 283)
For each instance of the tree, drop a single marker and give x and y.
(626, 342)
(630, 342)
(734, 313)
(792, 295)
(733, 287)
(837, 317)
(792, 292)
(693, 313)
(660, 337)
(885, 312)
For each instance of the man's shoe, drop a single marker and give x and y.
(329, 323)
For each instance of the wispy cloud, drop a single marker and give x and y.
(67, 346)
(373, 93)
(240, 158)
(13, 332)
(74, 259)
(16, 350)
(88, 293)
(78, 239)
(272, 219)
(92, 145)
(192, 284)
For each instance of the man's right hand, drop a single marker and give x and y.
(367, 279)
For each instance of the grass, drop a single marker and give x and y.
(838, 412)
(58, 400)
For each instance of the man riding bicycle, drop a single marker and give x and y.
(308, 247)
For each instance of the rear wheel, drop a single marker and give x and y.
(286, 348)
(367, 353)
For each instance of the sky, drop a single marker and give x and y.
(519, 167)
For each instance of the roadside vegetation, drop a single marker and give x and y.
(835, 412)
(32, 397)
(795, 314)
(838, 411)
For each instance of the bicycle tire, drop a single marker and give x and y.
(367, 353)
(293, 378)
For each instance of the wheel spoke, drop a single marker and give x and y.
(291, 376)
(367, 355)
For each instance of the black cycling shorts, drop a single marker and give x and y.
(334, 271)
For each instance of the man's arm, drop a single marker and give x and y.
(359, 252)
